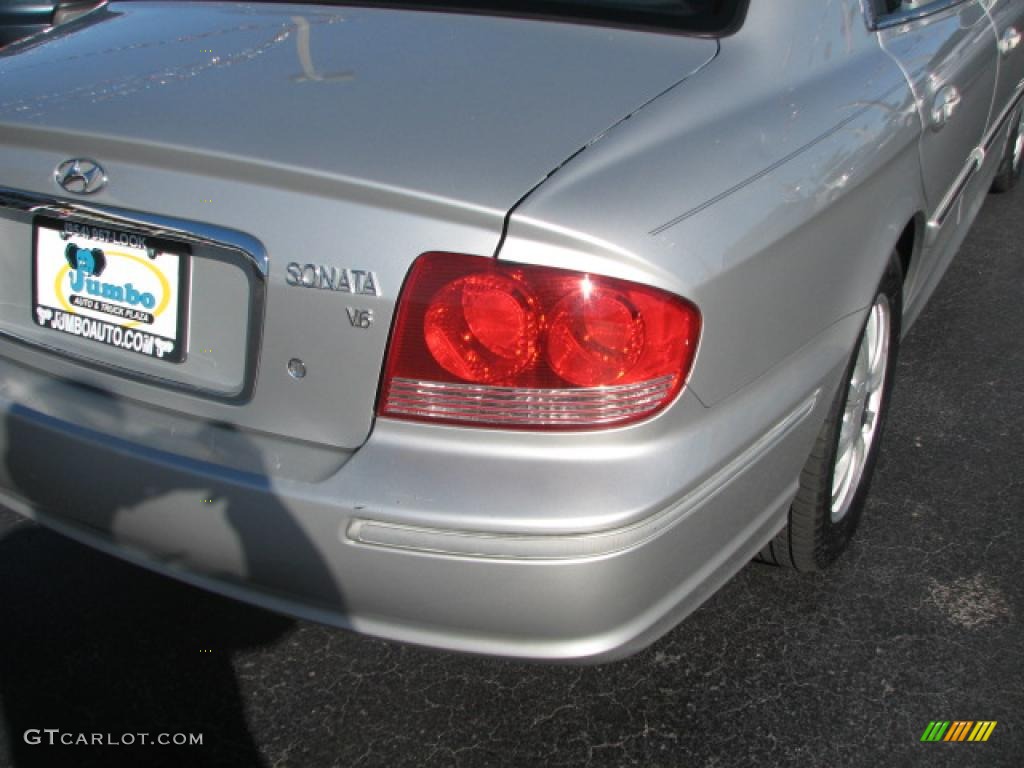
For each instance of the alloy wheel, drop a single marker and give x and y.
(863, 405)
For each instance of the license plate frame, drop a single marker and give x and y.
(118, 287)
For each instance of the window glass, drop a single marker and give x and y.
(697, 16)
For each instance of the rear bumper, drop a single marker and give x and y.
(582, 549)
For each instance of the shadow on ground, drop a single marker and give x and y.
(93, 646)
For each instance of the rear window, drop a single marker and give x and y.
(711, 18)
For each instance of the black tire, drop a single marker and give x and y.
(812, 538)
(1011, 164)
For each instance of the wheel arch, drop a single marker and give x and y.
(909, 243)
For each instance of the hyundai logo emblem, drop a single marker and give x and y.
(81, 176)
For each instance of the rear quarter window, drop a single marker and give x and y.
(709, 18)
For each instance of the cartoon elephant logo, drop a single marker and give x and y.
(92, 261)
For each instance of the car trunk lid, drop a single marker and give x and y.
(342, 141)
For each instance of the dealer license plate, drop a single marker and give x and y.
(115, 287)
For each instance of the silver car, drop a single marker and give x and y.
(514, 328)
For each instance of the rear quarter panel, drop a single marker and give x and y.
(770, 189)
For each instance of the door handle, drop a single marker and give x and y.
(945, 105)
(1009, 41)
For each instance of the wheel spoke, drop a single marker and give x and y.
(878, 354)
(855, 400)
(863, 368)
(877, 374)
(841, 478)
(847, 434)
(859, 451)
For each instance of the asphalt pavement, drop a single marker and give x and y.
(920, 621)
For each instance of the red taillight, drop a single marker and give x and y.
(482, 342)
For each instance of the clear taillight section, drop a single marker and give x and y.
(487, 343)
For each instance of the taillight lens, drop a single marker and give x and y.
(487, 343)
(482, 328)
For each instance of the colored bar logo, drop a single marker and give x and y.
(958, 730)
